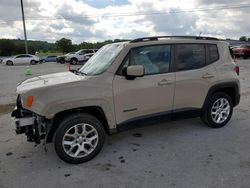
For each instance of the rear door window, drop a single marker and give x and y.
(189, 56)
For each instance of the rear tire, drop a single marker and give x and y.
(73, 61)
(219, 110)
(79, 138)
(32, 62)
(10, 63)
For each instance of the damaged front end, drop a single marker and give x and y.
(35, 127)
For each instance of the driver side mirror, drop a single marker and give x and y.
(134, 71)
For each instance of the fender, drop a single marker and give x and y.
(221, 87)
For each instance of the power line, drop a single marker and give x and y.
(245, 6)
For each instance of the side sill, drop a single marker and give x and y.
(157, 119)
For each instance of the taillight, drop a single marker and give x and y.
(237, 70)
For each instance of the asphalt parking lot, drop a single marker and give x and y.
(10, 76)
(174, 154)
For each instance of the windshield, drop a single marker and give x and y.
(102, 59)
(78, 52)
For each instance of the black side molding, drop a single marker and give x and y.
(157, 118)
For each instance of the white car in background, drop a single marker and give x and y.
(22, 59)
(80, 56)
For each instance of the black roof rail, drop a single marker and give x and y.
(144, 39)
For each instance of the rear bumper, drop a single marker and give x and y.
(238, 53)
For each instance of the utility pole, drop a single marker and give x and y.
(24, 29)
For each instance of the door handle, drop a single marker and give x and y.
(164, 82)
(207, 75)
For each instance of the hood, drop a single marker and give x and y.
(47, 80)
(70, 55)
(8, 58)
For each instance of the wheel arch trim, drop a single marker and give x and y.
(102, 117)
(220, 87)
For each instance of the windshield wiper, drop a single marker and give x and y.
(77, 72)
(82, 73)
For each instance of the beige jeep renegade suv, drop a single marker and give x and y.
(125, 85)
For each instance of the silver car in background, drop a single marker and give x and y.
(22, 59)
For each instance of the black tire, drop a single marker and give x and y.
(207, 116)
(246, 55)
(10, 63)
(62, 61)
(73, 61)
(32, 62)
(70, 122)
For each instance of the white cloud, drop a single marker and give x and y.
(53, 19)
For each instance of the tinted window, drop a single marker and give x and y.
(190, 56)
(155, 59)
(213, 54)
(21, 56)
(88, 51)
(81, 52)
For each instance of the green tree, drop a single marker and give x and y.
(243, 38)
(7, 47)
(65, 45)
(86, 45)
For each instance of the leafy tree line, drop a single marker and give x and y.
(16, 46)
(65, 45)
(244, 38)
(10, 47)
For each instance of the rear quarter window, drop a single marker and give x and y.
(212, 53)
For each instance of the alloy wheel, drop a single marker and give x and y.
(80, 140)
(220, 110)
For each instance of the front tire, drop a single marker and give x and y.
(10, 63)
(219, 111)
(79, 138)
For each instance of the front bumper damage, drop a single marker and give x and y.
(35, 127)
